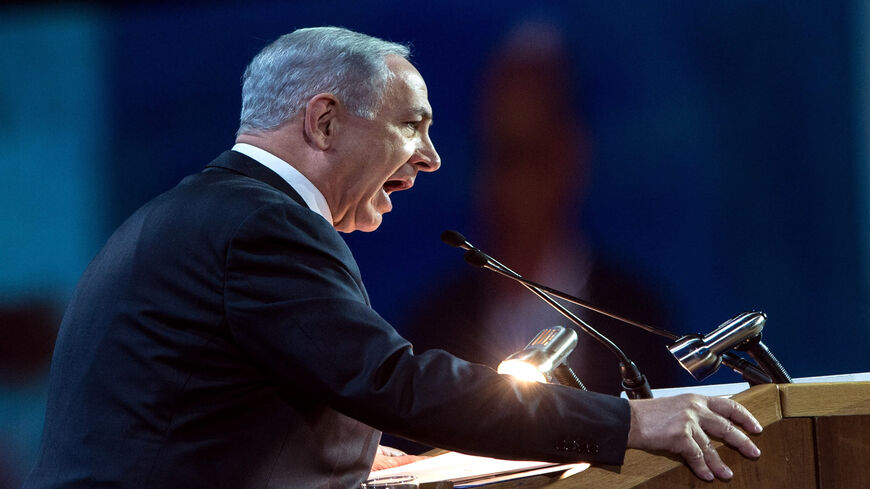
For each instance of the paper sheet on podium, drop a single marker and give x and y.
(469, 470)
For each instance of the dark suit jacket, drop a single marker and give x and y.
(223, 338)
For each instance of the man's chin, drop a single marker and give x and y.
(367, 225)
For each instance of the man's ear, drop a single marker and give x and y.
(320, 121)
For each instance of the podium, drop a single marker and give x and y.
(816, 436)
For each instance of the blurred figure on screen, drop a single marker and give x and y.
(534, 172)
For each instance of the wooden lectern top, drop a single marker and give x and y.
(803, 446)
(825, 399)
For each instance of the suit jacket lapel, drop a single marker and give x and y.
(243, 164)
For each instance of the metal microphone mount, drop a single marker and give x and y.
(702, 355)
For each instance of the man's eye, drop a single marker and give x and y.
(415, 125)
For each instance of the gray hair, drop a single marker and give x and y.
(284, 76)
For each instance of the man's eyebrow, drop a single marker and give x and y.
(422, 112)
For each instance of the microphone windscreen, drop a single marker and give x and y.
(476, 257)
(453, 238)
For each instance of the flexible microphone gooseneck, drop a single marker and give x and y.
(634, 383)
(764, 357)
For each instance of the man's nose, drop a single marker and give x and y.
(428, 159)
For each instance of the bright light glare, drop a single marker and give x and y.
(522, 371)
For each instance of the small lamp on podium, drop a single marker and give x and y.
(543, 359)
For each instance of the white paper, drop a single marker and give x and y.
(458, 466)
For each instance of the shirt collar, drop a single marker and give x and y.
(303, 186)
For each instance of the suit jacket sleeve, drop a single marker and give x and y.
(296, 305)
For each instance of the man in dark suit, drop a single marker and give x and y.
(223, 336)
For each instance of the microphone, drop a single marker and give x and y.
(474, 256)
(455, 239)
(701, 355)
(634, 383)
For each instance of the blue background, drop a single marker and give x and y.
(729, 147)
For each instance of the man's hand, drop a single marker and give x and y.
(387, 457)
(684, 424)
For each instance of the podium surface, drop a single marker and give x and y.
(816, 436)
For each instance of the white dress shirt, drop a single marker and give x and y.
(303, 186)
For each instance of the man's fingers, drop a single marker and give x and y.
(695, 459)
(724, 429)
(735, 412)
(712, 459)
(685, 425)
(721, 421)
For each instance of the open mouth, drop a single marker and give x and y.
(396, 185)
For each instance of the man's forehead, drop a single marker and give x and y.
(408, 89)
